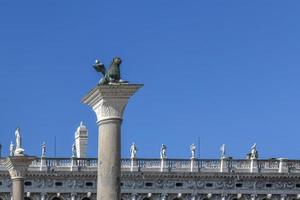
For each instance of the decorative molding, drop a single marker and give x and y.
(17, 166)
(109, 101)
(110, 109)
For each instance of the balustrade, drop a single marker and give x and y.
(204, 165)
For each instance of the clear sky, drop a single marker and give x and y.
(222, 71)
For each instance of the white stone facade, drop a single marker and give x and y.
(76, 179)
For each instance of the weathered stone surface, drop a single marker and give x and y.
(109, 102)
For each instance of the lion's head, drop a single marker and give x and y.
(117, 60)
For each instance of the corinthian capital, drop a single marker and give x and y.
(109, 101)
(17, 166)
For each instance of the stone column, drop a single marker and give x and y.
(109, 102)
(17, 167)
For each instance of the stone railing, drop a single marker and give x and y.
(170, 165)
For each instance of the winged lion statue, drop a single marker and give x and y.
(112, 74)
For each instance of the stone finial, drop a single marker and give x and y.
(133, 151)
(43, 149)
(81, 141)
(193, 150)
(81, 127)
(163, 152)
(11, 149)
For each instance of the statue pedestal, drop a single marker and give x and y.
(134, 165)
(109, 102)
(17, 167)
(253, 165)
(43, 164)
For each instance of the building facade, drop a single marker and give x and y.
(161, 179)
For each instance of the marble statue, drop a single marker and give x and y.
(19, 151)
(18, 138)
(223, 151)
(43, 149)
(74, 154)
(254, 152)
(11, 149)
(112, 74)
(133, 150)
(193, 150)
(163, 152)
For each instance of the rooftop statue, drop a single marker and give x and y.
(18, 138)
(43, 149)
(223, 151)
(133, 150)
(163, 152)
(74, 153)
(193, 150)
(112, 74)
(19, 151)
(253, 153)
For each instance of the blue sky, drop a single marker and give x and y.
(222, 71)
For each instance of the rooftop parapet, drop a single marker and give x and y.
(172, 165)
